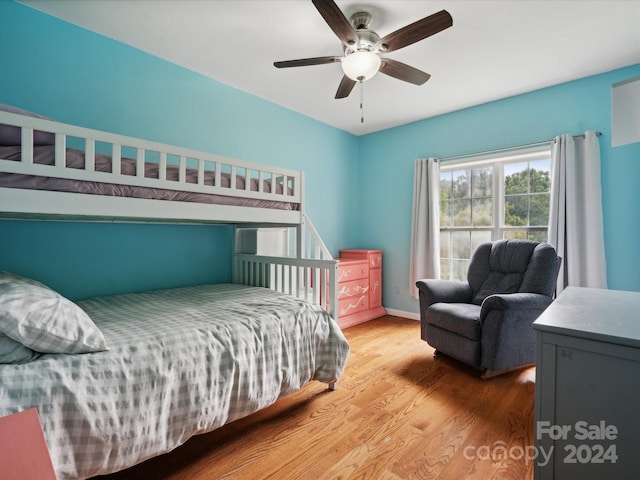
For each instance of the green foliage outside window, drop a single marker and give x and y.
(527, 198)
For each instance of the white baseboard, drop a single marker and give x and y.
(401, 313)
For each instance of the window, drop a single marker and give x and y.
(489, 198)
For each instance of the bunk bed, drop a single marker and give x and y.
(120, 379)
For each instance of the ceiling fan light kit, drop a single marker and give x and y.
(361, 65)
(362, 47)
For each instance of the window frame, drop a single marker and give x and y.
(497, 161)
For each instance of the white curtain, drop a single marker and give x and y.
(575, 217)
(425, 223)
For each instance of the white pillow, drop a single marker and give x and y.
(45, 321)
(7, 277)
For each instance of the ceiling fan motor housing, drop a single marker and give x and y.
(367, 38)
(360, 20)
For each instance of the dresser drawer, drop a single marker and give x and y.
(350, 305)
(353, 288)
(373, 257)
(352, 270)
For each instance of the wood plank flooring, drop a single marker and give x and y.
(398, 413)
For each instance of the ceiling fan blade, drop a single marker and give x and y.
(404, 72)
(337, 21)
(304, 62)
(415, 32)
(345, 87)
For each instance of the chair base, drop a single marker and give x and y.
(488, 373)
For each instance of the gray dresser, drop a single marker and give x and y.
(587, 405)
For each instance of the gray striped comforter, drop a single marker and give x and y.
(181, 362)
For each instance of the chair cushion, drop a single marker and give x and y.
(460, 318)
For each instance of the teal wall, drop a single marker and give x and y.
(75, 76)
(81, 260)
(387, 161)
(78, 77)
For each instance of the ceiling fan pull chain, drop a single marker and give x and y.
(361, 101)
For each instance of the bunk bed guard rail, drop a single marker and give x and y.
(224, 176)
(310, 279)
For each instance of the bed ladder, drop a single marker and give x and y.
(310, 241)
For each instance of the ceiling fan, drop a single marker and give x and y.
(363, 47)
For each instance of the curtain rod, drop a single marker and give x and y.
(506, 149)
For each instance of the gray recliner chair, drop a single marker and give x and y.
(487, 321)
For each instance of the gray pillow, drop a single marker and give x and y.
(13, 352)
(11, 135)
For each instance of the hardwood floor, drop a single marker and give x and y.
(398, 413)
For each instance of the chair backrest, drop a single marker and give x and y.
(511, 266)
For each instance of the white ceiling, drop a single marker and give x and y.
(495, 49)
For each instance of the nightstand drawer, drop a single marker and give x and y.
(353, 288)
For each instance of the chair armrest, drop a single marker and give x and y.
(507, 337)
(449, 291)
(534, 302)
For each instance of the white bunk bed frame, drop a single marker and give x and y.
(306, 271)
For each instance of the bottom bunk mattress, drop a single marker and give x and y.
(180, 362)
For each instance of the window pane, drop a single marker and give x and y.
(516, 210)
(459, 269)
(482, 212)
(516, 178)
(445, 213)
(460, 245)
(462, 213)
(445, 245)
(539, 210)
(445, 269)
(461, 183)
(446, 185)
(540, 180)
(538, 235)
(515, 234)
(479, 237)
(481, 182)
